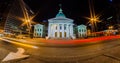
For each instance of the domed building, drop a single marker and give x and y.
(60, 27)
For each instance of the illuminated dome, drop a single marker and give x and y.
(60, 27)
(60, 17)
(60, 14)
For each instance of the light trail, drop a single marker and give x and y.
(81, 41)
(20, 44)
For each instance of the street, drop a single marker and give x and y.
(103, 52)
(59, 31)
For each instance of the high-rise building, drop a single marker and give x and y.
(4, 8)
(16, 16)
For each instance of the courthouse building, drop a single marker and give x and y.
(60, 27)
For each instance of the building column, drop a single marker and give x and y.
(58, 30)
(49, 32)
(71, 30)
(67, 29)
(42, 31)
(78, 32)
(53, 30)
(62, 30)
(82, 33)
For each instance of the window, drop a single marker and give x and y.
(40, 29)
(60, 34)
(55, 34)
(79, 30)
(60, 26)
(40, 34)
(64, 34)
(82, 30)
(36, 34)
(65, 26)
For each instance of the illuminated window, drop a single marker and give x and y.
(55, 34)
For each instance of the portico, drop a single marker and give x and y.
(60, 30)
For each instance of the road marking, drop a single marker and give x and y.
(15, 56)
(112, 56)
(17, 43)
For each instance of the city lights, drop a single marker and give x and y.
(59, 34)
(110, 27)
(93, 17)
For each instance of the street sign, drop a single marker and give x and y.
(15, 56)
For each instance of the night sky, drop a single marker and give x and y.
(74, 9)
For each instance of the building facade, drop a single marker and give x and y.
(38, 31)
(60, 27)
(15, 17)
(82, 31)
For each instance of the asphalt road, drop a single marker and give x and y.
(104, 52)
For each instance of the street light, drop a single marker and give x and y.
(93, 21)
(93, 18)
(110, 27)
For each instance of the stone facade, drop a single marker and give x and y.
(82, 31)
(60, 27)
(38, 30)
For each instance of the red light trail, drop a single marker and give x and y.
(80, 41)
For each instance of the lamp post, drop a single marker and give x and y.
(110, 27)
(93, 21)
(28, 23)
(93, 18)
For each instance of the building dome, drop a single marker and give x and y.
(60, 27)
(61, 18)
(60, 14)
